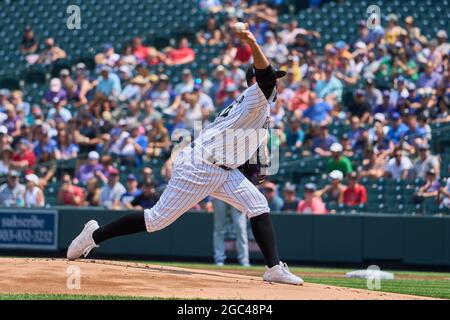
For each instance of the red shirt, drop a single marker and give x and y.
(355, 196)
(28, 156)
(177, 55)
(141, 52)
(68, 196)
(315, 207)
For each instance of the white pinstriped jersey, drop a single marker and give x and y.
(238, 130)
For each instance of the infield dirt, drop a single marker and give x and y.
(102, 277)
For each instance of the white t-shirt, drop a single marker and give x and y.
(396, 170)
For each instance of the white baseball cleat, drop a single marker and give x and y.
(281, 274)
(84, 243)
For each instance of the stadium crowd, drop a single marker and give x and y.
(121, 112)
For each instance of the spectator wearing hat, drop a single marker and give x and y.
(108, 56)
(443, 46)
(24, 157)
(334, 191)
(12, 192)
(56, 90)
(338, 161)
(58, 112)
(397, 128)
(146, 199)
(274, 50)
(87, 134)
(311, 204)
(34, 197)
(275, 201)
(112, 191)
(290, 199)
(359, 107)
(161, 96)
(415, 134)
(385, 107)
(90, 169)
(399, 166)
(322, 143)
(392, 30)
(51, 53)
(425, 162)
(70, 194)
(187, 82)
(430, 189)
(132, 191)
(92, 193)
(355, 193)
(412, 30)
(44, 144)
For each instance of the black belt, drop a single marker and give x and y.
(213, 161)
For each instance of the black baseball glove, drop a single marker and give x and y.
(252, 172)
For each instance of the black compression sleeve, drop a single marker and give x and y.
(266, 79)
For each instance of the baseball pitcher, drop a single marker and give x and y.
(215, 164)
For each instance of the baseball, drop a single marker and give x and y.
(239, 26)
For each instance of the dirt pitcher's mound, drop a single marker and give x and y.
(99, 277)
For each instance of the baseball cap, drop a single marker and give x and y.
(336, 175)
(113, 171)
(250, 73)
(14, 173)
(93, 155)
(310, 187)
(107, 46)
(80, 66)
(31, 177)
(64, 72)
(386, 93)
(336, 147)
(55, 85)
(186, 71)
(3, 130)
(379, 117)
(340, 44)
(359, 92)
(131, 177)
(392, 17)
(395, 116)
(290, 187)
(441, 34)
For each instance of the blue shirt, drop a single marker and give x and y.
(411, 135)
(318, 112)
(325, 143)
(106, 86)
(395, 135)
(50, 147)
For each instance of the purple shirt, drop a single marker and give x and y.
(429, 81)
(61, 94)
(87, 172)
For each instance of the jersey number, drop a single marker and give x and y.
(227, 110)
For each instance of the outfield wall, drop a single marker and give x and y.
(411, 240)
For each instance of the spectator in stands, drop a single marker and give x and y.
(334, 191)
(12, 121)
(147, 198)
(373, 164)
(51, 53)
(158, 139)
(132, 191)
(108, 56)
(44, 144)
(425, 162)
(112, 191)
(93, 193)
(24, 157)
(182, 55)
(87, 134)
(108, 84)
(372, 95)
(12, 192)
(429, 78)
(360, 107)
(386, 106)
(19, 104)
(211, 34)
(6, 154)
(311, 204)
(295, 136)
(65, 148)
(318, 111)
(275, 201)
(323, 142)
(444, 195)
(430, 189)
(338, 161)
(70, 194)
(330, 88)
(29, 44)
(399, 166)
(397, 128)
(355, 193)
(55, 91)
(415, 135)
(34, 197)
(290, 199)
(187, 84)
(274, 50)
(90, 169)
(443, 45)
(58, 112)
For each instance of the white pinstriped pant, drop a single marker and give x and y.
(192, 181)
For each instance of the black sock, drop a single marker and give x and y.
(265, 237)
(129, 224)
